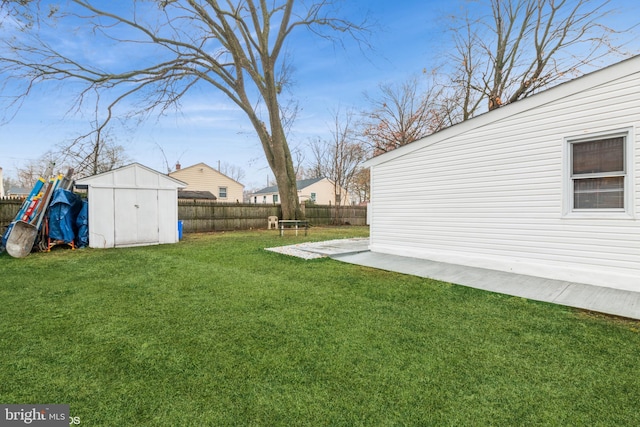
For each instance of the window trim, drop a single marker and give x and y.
(226, 192)
(628, 212)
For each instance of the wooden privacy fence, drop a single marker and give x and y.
(9, 208)
(206, 215)
(197, 216)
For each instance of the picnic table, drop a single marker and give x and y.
(293, 223)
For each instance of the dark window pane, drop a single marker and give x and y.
(599, 193)
(605, 155)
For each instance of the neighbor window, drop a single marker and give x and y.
(275, 198)
(598, 173)
(313, 197)
(222, 192)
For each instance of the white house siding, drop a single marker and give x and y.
(492, 196)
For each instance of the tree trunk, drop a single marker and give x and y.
(285, 178)
(278, 153)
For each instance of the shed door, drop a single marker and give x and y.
(136, 217)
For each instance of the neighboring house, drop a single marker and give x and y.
(547, 186)
(18, 192)
(202, 177)
(132, 206)
(321, 191)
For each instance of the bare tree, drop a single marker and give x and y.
(400, 114)
(523, 46)
(8, 182)
(92, 154)
(232, 171)
(319, 166)
(83, 159)
(361, 184)
(28, 174)
(235, 47)
(339, 158)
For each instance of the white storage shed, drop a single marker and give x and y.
(132, 206)
(547, 186)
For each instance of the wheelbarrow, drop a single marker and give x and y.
(23, 234)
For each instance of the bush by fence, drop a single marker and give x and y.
(198, 216)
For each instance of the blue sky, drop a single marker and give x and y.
(410, 36)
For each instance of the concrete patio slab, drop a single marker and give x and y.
(328, 248)
(595, 298)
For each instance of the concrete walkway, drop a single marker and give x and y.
(595, 298)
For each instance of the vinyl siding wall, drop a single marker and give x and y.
(204, 178)
(493, 196)
(325, 193)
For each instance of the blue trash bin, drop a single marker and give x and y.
(179, 230)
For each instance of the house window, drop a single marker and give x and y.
(313, 197)
(222, 192)
(275, 198)
(599, 174)
(264, 199)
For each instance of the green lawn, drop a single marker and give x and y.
(216, 331)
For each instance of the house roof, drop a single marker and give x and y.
(203, 165)
(597, 78)
(303, 183)
(191, 194)
(18, 190)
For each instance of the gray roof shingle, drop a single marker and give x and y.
(303, 183)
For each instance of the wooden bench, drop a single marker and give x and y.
(293, 223)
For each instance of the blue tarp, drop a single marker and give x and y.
(82, 222)
(5, 236)
(63, 212)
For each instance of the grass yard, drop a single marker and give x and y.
(216, 331)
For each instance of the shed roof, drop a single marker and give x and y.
(134, 175)
(597, 78)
